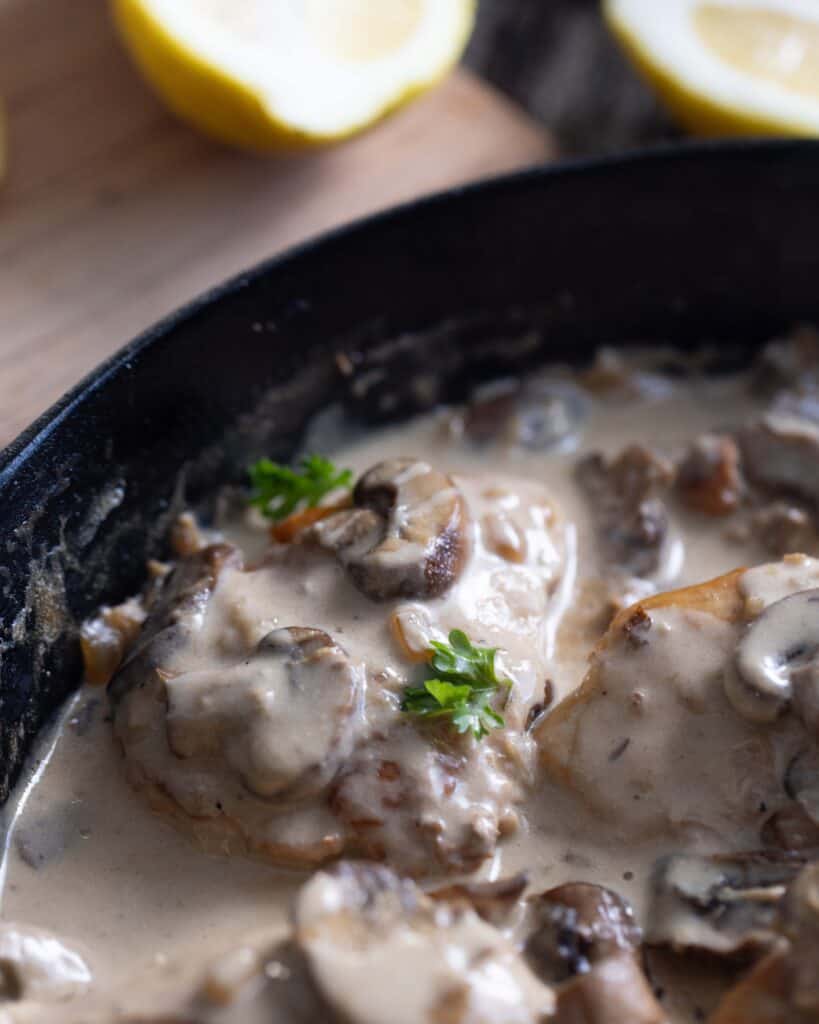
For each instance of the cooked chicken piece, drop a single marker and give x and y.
(285, 740)
(283, 719)
(626, 498)
(232, 751)
(685, 723)
(430, 804)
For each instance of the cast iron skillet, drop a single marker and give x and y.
(702, 244)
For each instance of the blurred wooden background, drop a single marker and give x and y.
(556, 58)
(114, 212)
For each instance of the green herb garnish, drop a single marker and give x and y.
(278, 490)
(461, 689)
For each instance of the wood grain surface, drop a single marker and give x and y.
(113, 213)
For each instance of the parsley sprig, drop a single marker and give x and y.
(462, 688)
(279, 490)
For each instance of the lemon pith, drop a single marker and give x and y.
(235, 107)
(718, 66)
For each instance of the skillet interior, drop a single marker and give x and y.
(690, 245)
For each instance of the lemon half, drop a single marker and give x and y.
(267, 74)
(727, 67)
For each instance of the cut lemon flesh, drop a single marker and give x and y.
(727, 67)
(268, 73)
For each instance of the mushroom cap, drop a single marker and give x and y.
(36, 965)
(378, 949)
(781, 451)
(802, 782)
(577, 925)
(405, 535)
(783, 988)
(177, 610)
(778, 643)
(614, 992)
(725, 905)
(282, 719)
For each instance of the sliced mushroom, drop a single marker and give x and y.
(791, 830)
(379, 950)
(405, 535)
(784, 987)
(539, 413)
(761, 997)
(36, 965)
(615, 992)
(584, 939)
(283, 719)
(625, 495)
(724, 905)
(709, 479)
(577, 925)
(788, 362)
(802, 782)
(778, 652)
(781, 452)
(784, 527)
(800, 924)
(176, 611)
(495, 902)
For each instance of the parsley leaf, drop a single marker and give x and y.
(462, 689)
(278, 490)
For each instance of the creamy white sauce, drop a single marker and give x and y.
(86, 857)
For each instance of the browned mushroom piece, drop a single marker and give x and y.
(584, 939)
(800, 924)
(777, 662)
(802, 782)
(709, 479)
(405, 535)
(783, 988)
(577, 925)
(723, 905)
(780, 451)
(35, 965)
(495, 902)
(614, 992)
(630, 516)
(790, 829)
(176, 611)
(790, 362)
(378, 949)
(783, 527)
(282, 719)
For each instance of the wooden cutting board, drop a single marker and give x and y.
(113, 213)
